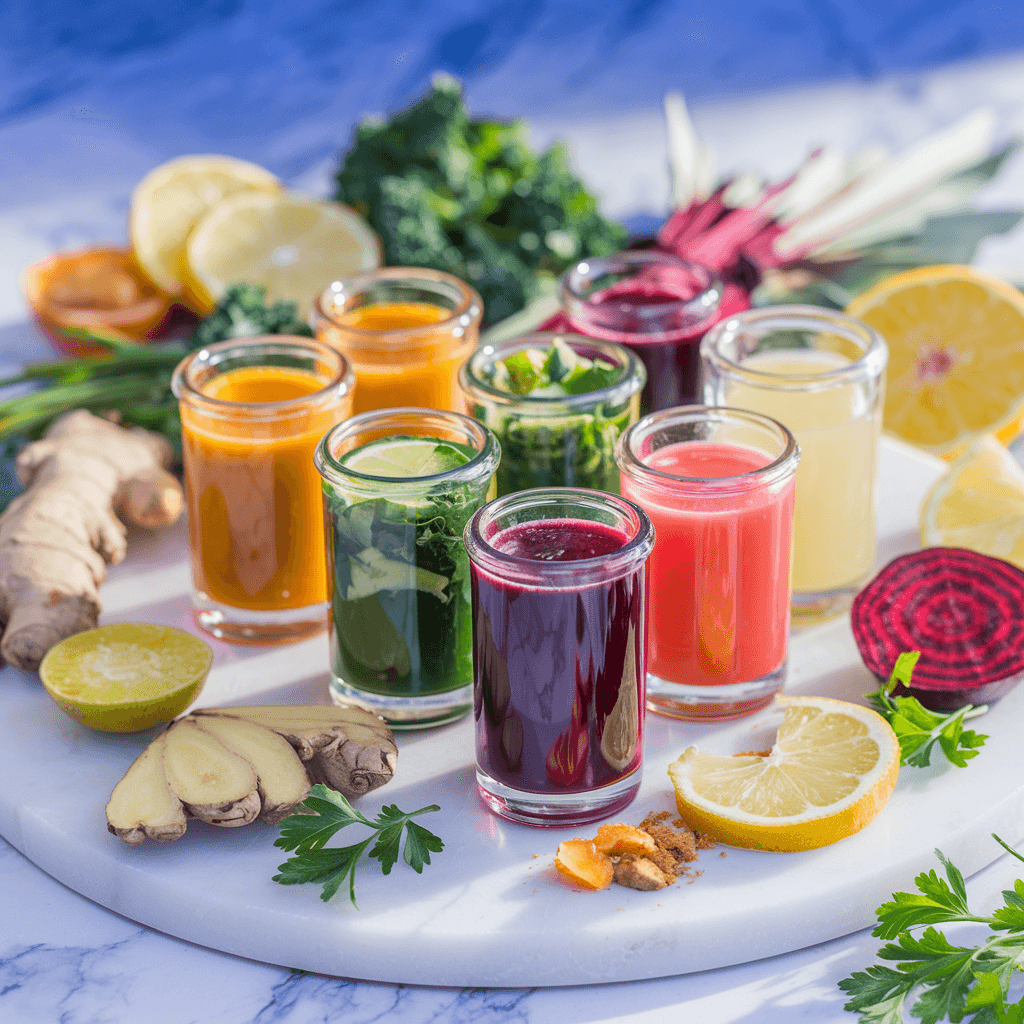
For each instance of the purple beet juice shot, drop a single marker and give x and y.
(657, 305)
(559, 601)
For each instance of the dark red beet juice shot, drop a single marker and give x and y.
(656, 304)
(559, 653)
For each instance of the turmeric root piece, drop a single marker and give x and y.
(641, 873)
(281, 780)
(581, 862)
(228, 766)
(143, 805)
(347, 748)
(616, 840)
(213, 784)
(57, 538)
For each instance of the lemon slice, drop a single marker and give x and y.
(978, 504)
(292, 246)
(172, 198)
(956, 355)
(126, 677)
(830, 772)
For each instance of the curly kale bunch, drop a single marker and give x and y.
(471, 198)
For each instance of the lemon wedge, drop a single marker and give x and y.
(292, 246)
(126, 677)
(978, 504)
(170, 200)
(956, 355)
(830, 772)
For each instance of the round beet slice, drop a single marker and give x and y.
(962, 610)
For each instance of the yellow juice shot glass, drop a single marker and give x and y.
(405, 331)
(822, 375)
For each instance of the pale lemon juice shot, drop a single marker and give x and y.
(822, 375)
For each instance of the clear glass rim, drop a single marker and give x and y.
(185, 388)
(469, 305)
(782, 466)
(580, 572)
(873, 359)
(484, 463)
(630, 382)
(573, 282)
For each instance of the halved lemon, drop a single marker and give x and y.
(956, 355)
(830, 772)
(292, 246)
(978, 504)
(127, 676)
(169, 201)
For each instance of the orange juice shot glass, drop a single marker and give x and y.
(252, 413)
(405, 331)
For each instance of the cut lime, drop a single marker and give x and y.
(402, 457)
(126, 677)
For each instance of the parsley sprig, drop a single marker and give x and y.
(307, 833)
(918, 728)
(951, 981)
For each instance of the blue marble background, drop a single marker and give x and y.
(188, 75)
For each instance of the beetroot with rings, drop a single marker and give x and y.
(962, 610)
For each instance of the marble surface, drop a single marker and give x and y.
(68, 161)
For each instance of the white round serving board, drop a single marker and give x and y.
(490, 910)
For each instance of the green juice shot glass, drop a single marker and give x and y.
(399, 486)
(557, 403)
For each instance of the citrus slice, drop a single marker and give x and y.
(126, 677)
(170, 200)
(292, 246)
(978, 504)
(956, 355)
(405, 457)
(831, 770)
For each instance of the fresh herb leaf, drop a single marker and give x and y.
(307, 833)
(950, 981)
(918, 728)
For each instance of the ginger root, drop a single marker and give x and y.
(230, 766)
(57, 538)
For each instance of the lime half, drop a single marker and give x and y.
(126, 677)
(405, 457)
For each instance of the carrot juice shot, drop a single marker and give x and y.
(405, 331)
(718, 486)
(252, 413)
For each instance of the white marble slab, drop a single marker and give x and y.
(491, 910)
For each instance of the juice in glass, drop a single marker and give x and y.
(252, 412)
(718, 486)
(405, 331)
(654, 303)
(399, 487)
(559, 667)
(820, 373)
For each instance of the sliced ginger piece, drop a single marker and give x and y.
(142, 805)
(618, 839)
(282, 781)
(348, 748)
(582, 863)
(214, 784)
(641, 873)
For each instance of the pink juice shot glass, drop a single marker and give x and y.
(718, 485)
(559, 653)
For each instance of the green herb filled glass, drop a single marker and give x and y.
(399, 487)
(557, 403)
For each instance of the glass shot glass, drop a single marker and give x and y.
(405, 330)
(656, 304)
(399, 486)
(252, 411)
(559, 435)
(718, 486)
(559, 653)
(822, 374)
